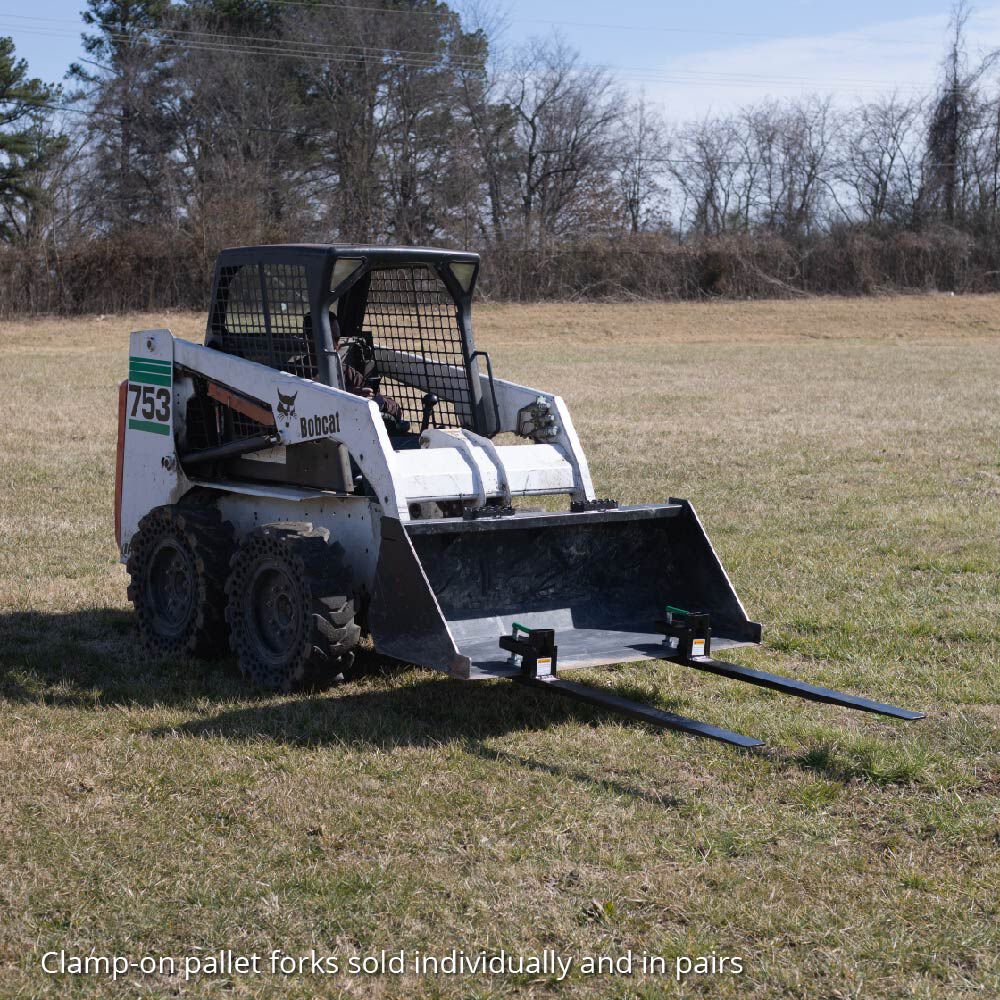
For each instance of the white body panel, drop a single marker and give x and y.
(151, 473)
(319, 411)
(449, 466)
(447, 472)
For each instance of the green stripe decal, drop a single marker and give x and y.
(148, 425)
(151, 372)
(147, 379)
(149, 362)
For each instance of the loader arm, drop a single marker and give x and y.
(504, 400)
(457, 465)
(510, 400)
(451, 466)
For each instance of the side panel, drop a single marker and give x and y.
(150, 473)
(404, 617)
(307, 411)
(351, 521)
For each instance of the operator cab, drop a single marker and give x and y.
(404, 318)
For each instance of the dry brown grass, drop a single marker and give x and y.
(883, 318)
(843, 455)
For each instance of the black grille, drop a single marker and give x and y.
(260, 315)
(242, 425)
(209, 422)
(409, 309)
(202, 424)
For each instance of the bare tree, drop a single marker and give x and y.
(564, 119)
(797, 168)
(880, 165)
(639, 159)
(955, 118)
(706, 172)
(490, 121)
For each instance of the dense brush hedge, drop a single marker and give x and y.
(157, 270)
(844, 262)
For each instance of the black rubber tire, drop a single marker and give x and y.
(289, 607)
(178, 560)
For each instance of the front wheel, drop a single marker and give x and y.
(289, 609)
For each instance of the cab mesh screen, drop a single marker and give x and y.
(259, 315)
(411, 317)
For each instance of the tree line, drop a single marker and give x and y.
(198, 124)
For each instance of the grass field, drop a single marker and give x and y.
(844, 457)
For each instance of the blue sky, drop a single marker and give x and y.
(690, 57)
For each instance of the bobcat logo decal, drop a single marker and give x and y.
(286, 407)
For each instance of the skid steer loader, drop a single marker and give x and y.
(331, 460)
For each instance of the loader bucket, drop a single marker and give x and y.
(446, 590)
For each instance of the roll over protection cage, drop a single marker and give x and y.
(258, 315)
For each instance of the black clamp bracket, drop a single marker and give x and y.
(687, 632)
(581, 506)
(538, 650)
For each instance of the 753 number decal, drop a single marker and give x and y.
(150, 404)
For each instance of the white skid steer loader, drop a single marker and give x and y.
(327, 463)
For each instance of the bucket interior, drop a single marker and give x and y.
(599, 579)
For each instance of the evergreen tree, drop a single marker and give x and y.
(128, 88)
(26, 145)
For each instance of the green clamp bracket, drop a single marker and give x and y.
(538, 650)
(687, 632)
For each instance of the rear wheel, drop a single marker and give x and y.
(177, 562)
(289, 607)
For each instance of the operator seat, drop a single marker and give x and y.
(307, 334)
(353, 353)
(357, 353)
(350, 352)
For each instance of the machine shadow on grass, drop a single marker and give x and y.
(89, 659)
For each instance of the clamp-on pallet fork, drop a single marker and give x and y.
(688, 636)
